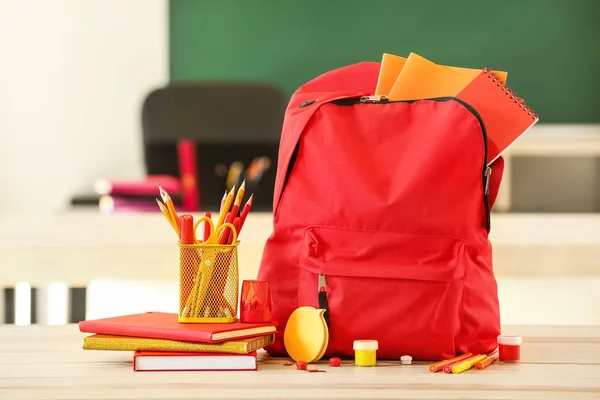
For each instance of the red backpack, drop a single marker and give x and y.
(381, 217)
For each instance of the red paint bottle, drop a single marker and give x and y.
(509, 348)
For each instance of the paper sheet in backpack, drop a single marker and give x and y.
(391, 65)
(421, 78)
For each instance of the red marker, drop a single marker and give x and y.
(186, 224)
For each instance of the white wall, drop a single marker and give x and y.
(73, 75)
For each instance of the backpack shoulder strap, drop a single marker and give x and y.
(350, 81)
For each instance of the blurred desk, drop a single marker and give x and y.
(548, 140)
(546, 264)
(80, 246)
(39, 362)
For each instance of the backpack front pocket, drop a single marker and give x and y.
(403, 290)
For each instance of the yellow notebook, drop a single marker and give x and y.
(391, 65)
(125, 343)
(423, 79)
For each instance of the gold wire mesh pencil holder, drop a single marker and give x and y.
(208, 283)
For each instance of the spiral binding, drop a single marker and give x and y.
(510, 93)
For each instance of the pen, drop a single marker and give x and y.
(467, 364)
(439, 366)
(488, 360)
(448, 367)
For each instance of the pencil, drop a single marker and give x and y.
(223, 200)
(234, 210)
(245, 212)
(165, 212)
(236, 225)
(223, 213)
(169, 203)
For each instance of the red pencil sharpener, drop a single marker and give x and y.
(255, 301)
(509, 348)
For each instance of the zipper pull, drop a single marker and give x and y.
(322, 283)
(373, 99)
(488, 172)
(323, 297)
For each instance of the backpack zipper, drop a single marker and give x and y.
(486, 171)
(322, 283)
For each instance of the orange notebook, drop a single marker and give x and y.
(391, 65)
(424, 79)
(159, 325)
(505, 116)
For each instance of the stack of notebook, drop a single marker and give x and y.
(160, 343)
(135, 195)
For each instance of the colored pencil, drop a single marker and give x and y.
(169, 203)
(223, 213)
(223, 200)
(165, 212)
(245, 212)
(236, 225)
(234, 211)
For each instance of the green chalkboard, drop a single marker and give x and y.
(550, 48)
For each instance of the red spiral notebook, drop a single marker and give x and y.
(506, 117)
(159, 325)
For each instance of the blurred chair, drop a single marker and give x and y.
(229, 121)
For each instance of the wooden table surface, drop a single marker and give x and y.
(47, 362)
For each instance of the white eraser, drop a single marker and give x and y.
(406, 359)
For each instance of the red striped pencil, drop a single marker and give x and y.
(234, 211)
(245, 212)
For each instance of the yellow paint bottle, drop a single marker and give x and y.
(365, 352)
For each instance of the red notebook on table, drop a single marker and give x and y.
(169, 361)
(505, 116)
(159, 325)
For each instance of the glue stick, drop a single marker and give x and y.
(365, 352)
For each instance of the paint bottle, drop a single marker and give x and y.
(365, 352)
(509, 348)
